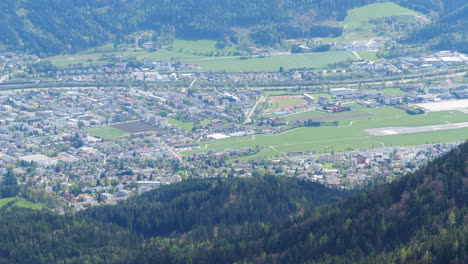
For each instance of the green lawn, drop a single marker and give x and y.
(188, 126)
(264, 153)
(23, 203)
(5, 201)
(107, 132)
(377, 10)
(393, 91)
(369, 55)
(288, 101)
(181, 50)
(351, 135)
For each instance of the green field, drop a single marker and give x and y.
(181, 50)
(357, 26)
(4, 201)
(350, 135)
(23, 203)
(377, 10)
(369, 55)
(186, 125)
(209, 58)
(288, 101)
(107, 132)
(323, 116)
(273, 63)
(324, 95)
(393, 91)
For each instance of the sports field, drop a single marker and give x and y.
(351, 133)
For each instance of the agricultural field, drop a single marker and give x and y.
(209, 58)
(107, 132)
(181, 50)
(350, 134)
(273, 63)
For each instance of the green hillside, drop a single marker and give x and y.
(49, 27)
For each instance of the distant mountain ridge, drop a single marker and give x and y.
(61, 26)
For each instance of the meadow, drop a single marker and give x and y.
(273, 63)
(368, 55)
(209, 58)
(357, 24)
(181, 50)
(21, 202)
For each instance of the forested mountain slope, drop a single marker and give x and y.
(59, 26)
(448, 31)
(229, 208)
(54, 26)
(421, 218)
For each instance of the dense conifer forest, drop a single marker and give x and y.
(49, 27)
(420, 218)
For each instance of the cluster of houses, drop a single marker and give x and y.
(58, 138)
(12, 63)
(338, 170)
